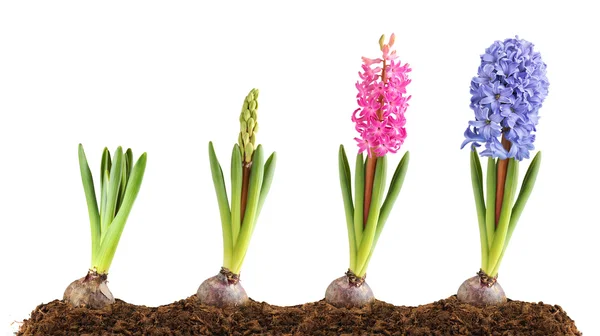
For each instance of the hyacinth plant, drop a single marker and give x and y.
(120, 183)
(380, 122)
(507, 94)
(251, 179)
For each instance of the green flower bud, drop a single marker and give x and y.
(248, 151)
(248, 125)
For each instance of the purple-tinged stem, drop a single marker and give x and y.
(372, 162)
(245, 182)
(501, 179)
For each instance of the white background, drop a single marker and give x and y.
(165, 78)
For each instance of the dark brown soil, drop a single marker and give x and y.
(187, 317)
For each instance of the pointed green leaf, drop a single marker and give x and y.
(113, 234)
(359, 199)
(477, 183)
(256, 179)
(490, 215)
(113, 188)
(224, 210)
(392, 195)
(103, 198)
(124, 177)
(92, 203)
(390, 199)
(344, 172)
(366, 244)
(236, 192)
(268, 174)
(129, 161)
(105, 165)
(500, 235)
(517, 210)
(526, 189)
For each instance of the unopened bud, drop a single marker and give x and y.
(381, 41)
(248, 151)
(392, 40)
(248, 125)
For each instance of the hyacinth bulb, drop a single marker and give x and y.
(222, 290)
(349, 291)
(91, 291)
(481, 290)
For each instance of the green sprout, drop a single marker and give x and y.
(251, 180)
(120, 183)
(119, 186)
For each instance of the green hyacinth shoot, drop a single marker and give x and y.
(120, 182)
(251, 179)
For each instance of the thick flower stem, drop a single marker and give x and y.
(245, 182)
(501, 179)
(372, 159)
(369, 179)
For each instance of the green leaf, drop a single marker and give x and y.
(103, 198)
(366, 244)
(390, 199)
(344, 172)
(517, 210)
(477, 183)
(105, 165)
(268, 174)
(256, 179)
(129, 161)
(236, 192)
(113, 188)
(359, 199)
(505, 214)
(224, 210)
(526, 189)
(392, 195)
(490, 216)
(111, 240)
(127, 157)
(92, 203)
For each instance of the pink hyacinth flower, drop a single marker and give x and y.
(382, 102)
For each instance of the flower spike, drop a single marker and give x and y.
(382, 102)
